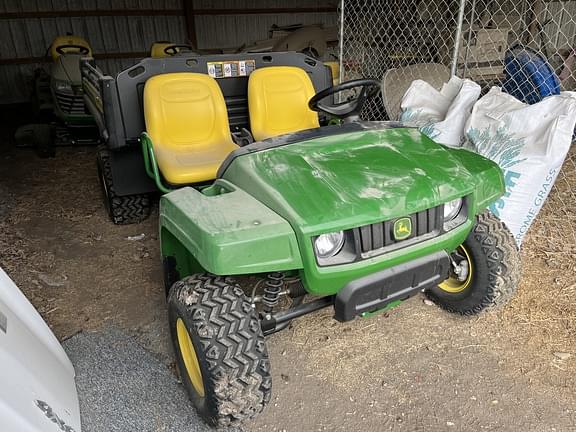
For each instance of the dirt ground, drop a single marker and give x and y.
(414, 369)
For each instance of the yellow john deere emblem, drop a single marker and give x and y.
(402, 228)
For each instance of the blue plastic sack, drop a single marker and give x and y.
(529, 77)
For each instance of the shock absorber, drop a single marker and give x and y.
(272, 290)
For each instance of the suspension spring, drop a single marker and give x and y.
(272, 290)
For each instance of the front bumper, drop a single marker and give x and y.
(330, 280)
(379, 289)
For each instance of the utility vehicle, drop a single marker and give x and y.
(357, 217)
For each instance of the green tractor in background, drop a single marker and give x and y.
(58, 100)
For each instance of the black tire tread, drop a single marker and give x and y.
(238, 384)
(503, 259)
(123, 210)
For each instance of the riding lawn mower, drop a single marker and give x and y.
(58, 99)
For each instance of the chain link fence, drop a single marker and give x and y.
(397, 41)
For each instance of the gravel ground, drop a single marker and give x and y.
(123, 387)
(413, 369)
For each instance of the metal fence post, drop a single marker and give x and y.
(454, 66)
(341, 39)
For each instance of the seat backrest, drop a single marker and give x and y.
(185, 109)
(157, 49)
(278, 101)
(69, 44)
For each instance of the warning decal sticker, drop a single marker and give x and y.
(231, 69)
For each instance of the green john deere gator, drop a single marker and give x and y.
(357, 216)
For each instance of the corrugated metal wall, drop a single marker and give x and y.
(227, 31)
(30, 37)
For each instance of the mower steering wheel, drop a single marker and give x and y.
(81, 49)
(350, 109)
(175, 49)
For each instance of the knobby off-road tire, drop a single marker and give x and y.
(229, 347)
(495, 262)
(123, 210)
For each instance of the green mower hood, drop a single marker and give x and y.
(346, 180)
(67, 69)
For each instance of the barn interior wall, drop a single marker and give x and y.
(122, 40)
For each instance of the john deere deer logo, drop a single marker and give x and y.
(402, 228)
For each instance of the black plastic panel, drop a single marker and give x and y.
(128, 173)
(375, 291)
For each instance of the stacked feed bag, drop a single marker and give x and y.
(529, 143)
(440, 114)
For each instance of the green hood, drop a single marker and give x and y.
(348, 180)
(67, 68)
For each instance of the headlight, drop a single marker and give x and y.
(328, 245)
(451, 209)
(62, 85)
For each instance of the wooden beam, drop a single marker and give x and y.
(189, 16)
(47, 59)
(265, 11)
(187, 11)
(91, 13)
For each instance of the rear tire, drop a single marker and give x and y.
(229, 380)
(123, 210)
(494, 261)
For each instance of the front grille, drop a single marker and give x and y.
(380, 236)
(70, 103)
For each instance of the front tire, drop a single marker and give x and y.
(123, 210)
(220, 349)
(493, 263)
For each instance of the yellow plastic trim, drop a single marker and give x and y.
(452, 284)
(335, 68)
(68, 40)
(187, 123)
(189, 356)
(278, 101)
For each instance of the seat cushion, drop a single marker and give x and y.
(188, 166)
(186, 119)
(278, 101)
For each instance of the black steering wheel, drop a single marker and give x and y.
(350, 109)
(60, 49)
(176, 49)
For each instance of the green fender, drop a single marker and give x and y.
(224, 231)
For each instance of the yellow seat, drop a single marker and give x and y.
(69, 44)
(158, 49)
(278, 101)
(186, 119)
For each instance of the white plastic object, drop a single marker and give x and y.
(37, 388)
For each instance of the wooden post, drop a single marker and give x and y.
(189, 18)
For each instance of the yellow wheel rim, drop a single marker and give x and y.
(189, 356)
(453, 284)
